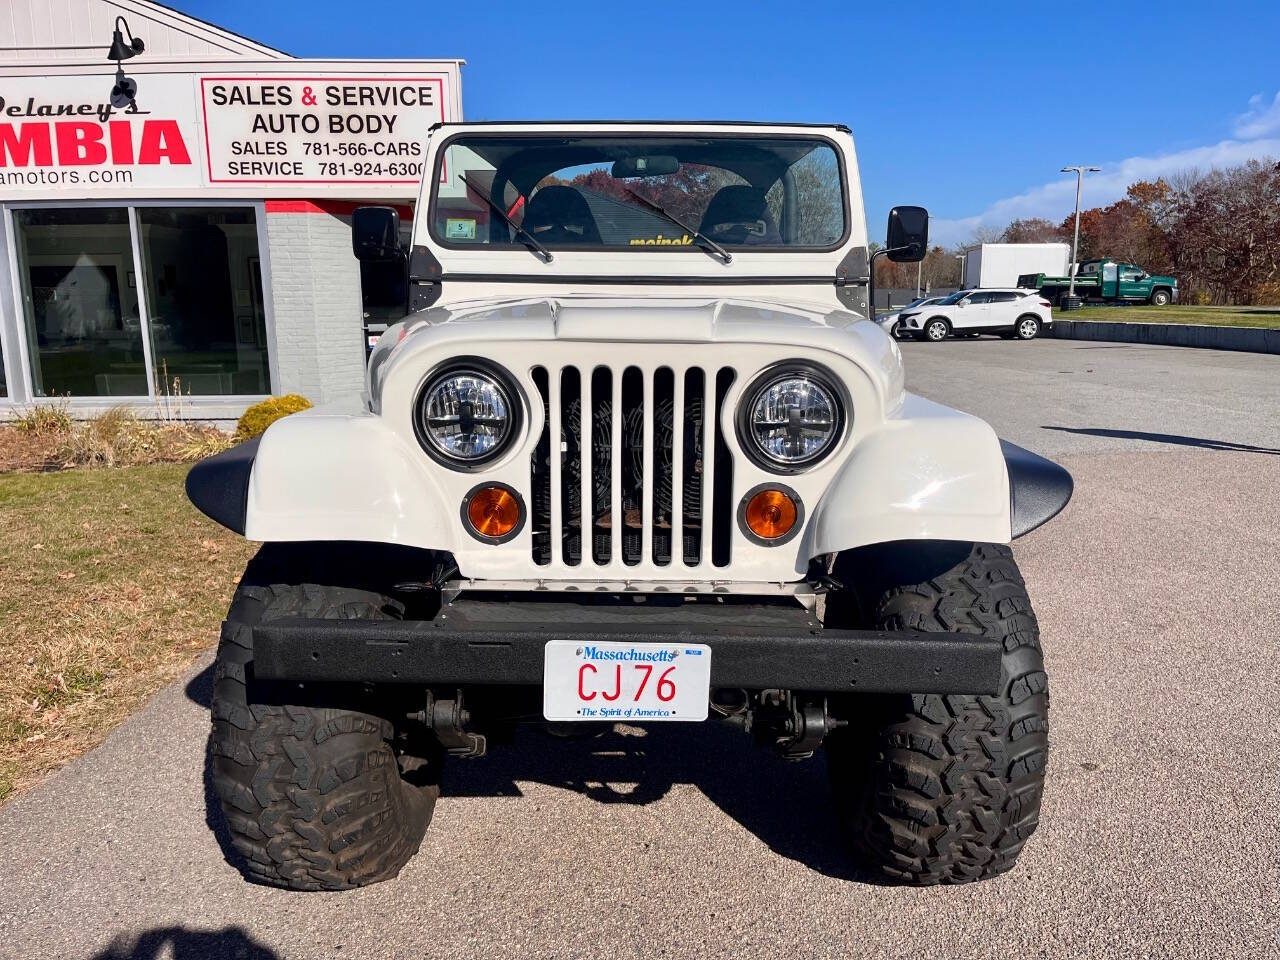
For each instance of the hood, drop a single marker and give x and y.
(673, 320)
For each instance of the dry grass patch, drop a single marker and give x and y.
(45, 437)
(110, 584)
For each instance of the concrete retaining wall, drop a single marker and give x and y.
(1252, 339)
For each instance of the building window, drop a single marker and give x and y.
(79, 287)
(204, 299)
(185, 316)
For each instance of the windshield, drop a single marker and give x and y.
(654, 192)
(954, 298)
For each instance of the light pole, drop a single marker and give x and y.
(919, 264)
(1075, 244)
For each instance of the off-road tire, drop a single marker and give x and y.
(942, 789)
(311, 792)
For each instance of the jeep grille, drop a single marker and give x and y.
(655, 471)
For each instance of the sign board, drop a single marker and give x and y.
(61, 136)
(296, 129)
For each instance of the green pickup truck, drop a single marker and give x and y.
(1106, 281)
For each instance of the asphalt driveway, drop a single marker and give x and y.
(1158, 593)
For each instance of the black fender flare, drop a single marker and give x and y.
(219, 485)
(1038, 488)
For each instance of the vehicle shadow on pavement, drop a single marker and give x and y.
(180, 943)
(1172, 438)
(199, 690)
(786, 804)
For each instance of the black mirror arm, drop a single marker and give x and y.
(871, 275)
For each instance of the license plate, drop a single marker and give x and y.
(628, 682)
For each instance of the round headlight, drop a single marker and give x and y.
(793, 419)
(466, 416)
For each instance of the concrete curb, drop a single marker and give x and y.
(1251, 339)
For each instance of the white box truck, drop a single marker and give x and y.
(1000, 264)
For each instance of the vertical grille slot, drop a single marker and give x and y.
(540, 478)
(694, 469)
(663, 420)
(631, 465)
(722, 490)
(694, 431)
(567, 450)
(602, 432)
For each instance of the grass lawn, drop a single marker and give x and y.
(110, 584)
(1178, 313)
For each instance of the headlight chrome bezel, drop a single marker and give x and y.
(771, 376)
(484, 369)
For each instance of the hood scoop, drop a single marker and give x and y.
(654, 320)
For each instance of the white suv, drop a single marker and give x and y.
(1010, 312)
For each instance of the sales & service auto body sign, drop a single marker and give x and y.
(314, 130)
(319, 129)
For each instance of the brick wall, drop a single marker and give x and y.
(315, 290)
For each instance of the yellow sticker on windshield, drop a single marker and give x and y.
(661, 241)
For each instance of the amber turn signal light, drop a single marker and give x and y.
(493, 512)
(770, 514)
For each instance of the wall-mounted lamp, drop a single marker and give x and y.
(125, 89)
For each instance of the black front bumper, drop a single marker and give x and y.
(753, 646)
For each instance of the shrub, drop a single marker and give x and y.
(46, 420)
(257, 418)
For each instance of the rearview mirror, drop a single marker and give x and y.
(907, 238)
(375, 234)
(629, 168)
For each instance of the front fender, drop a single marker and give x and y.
(317, 476)
(929, 473)
(933, 473)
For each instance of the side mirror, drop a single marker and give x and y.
(375, 234)
(907, 238)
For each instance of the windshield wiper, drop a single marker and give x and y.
(704, 242)
(529, 240)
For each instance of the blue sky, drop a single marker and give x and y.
(969, 109)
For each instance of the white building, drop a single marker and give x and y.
(196, 241)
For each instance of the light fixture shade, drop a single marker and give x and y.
(123, 51)
(119, 49)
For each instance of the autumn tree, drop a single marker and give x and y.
(1032, 230)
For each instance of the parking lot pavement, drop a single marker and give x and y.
(1075, 396)
(1158, 592)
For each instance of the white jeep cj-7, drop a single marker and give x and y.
(633, 454)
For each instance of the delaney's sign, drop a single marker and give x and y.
(61, 134)
(297, 131)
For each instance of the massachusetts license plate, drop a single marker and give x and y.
(625, 681)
